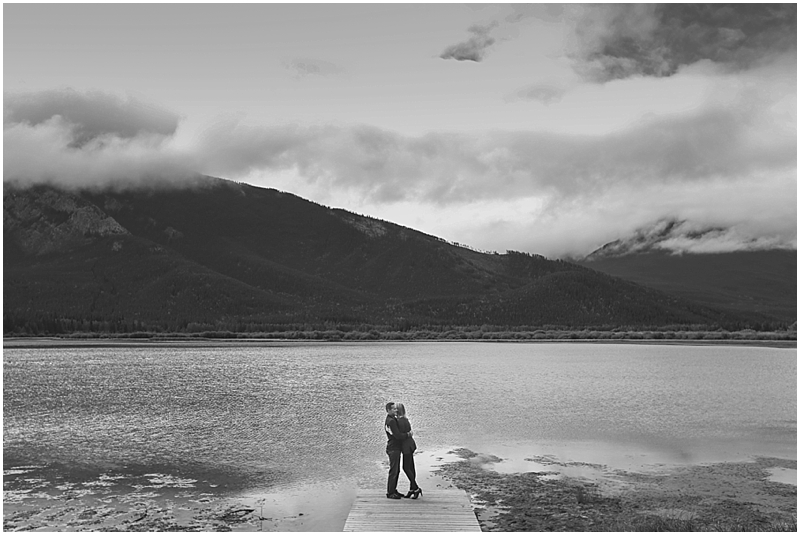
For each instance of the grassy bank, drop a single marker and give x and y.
(460, 333)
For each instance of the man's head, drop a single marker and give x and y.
(391, 409)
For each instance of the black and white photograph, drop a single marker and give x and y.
(405, 267)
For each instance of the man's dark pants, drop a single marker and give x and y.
(394, 470)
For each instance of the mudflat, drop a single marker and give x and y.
(730, 496)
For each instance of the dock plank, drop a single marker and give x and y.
(435, 510)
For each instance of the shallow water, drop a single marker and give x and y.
(783, 475)
(254, 420)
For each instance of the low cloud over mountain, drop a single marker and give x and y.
(685, 237)
(730, 162)
(82, 139)
(90, 116)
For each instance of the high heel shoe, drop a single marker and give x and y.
(417, 493)
(410, 494)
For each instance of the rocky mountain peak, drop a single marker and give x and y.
(45, 220)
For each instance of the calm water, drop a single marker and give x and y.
(293, 414)
(289, 409)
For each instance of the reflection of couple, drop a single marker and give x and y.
(401, 442)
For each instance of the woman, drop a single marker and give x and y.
(409, 446)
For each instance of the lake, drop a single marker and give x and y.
(265, 417)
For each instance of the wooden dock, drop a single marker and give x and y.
(436, 510)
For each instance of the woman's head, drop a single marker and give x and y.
(401, 409)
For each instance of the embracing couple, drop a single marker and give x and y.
(400, 443)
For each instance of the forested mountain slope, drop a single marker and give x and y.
(224, 255)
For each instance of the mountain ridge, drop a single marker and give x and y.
(228, 255)
(753, 278)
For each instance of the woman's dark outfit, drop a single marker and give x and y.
(408, 447)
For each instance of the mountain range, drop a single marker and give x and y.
(221, 255)
(675, 257)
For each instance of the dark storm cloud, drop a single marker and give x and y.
(473, 48)
(623, 40)
(90, 115)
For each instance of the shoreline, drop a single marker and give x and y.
(78, 342)
(727, 496)
(559, 494)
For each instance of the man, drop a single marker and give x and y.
(394, 448)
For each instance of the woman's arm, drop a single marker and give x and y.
(393, 429)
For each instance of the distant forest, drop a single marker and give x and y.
(332, 331)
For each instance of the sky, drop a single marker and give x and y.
(545, 128)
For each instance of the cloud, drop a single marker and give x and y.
(680, 237)
(544, 93)
(505, 26)
(303, 67)
(474, 48)
(85, 139)
(615, 41)
(721, 241)
(728, 163)
(90, 115)
(753, 217)
(580, 191)
(545, 12)
(379, 164)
